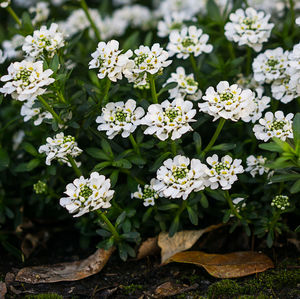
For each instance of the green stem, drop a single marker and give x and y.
(153, 89)
(173, 147)
(110, 225)
(215, 136)
(293, 19)
(50, 109)
(232, 207)
(194, 66)
(249, 60)
(14, 15)
(86, 10)
(106, 90)
(134, 144)
(75, 167)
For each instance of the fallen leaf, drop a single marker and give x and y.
(230, 265)
(65, 271)
(171, 289)
(148, 247)
(3, 290)
(181, 241)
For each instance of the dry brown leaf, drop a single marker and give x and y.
(3, 290)
(148, 247)
(171, 289)
(181, 241)
(66, 271)
(230, 265)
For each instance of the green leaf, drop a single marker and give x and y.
(284, 178)
(174, 226)
(192, 215)
(271, 146)
(4, 159)
(122, 163)
(97, 153)
(224, 147)
(29, 148)
(296, 131)
(296, 187)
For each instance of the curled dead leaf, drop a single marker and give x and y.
(66, 271)
(230, 265)
(181, 241)
(148, 247)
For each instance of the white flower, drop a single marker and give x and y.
(178, 177)
(224, 172)
(85, 195)
(186, 85)
(147, 61)
(44, 42)
(169, 119)
(11, 47)
(4, 3)
(29, 112)
(249, 27)
(135, 15)
(41, 11)
(146, 193)
(119, 118)
(171, 22)
(60, 148)
(110, 61)
(276, 125)
(25, 80)
(298, 21)
(2, 57)
(187, 7)
(229, 102)
(189, 40)
(256, 165)
(270, 65)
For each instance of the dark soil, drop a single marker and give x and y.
(140, 279)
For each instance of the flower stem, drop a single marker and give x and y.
(50, 109)
(215, 136)
(153, 89)
(86, 11)
(106, 90)
(194, 66)
(134, 144)
(249, 60)
(14, 15)
(75, 167)
(110, 225)
(232, 207)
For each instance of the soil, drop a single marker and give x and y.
(140, 279)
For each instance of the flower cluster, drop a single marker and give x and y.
(44, 42)
(223, 172)
(280, 202)
(146, 193)
(147, 61)
(180, 176)
(256, 165)
(85, 195)
(169, 119)
(186, 85)
(188, 41)
(60, 148)
(229, 102)
(110, 61)
(119, 118)
(249, 27)
(274, 125)
(25, 80)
